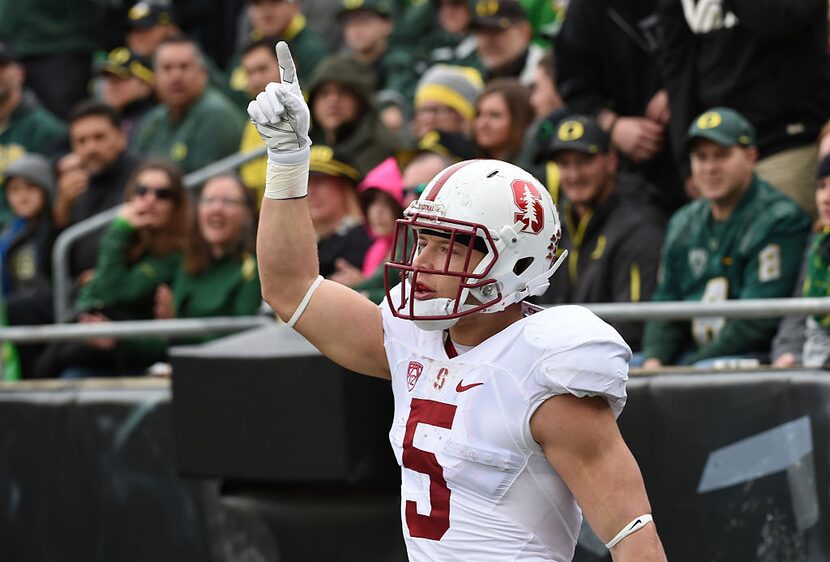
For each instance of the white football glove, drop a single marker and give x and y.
(281, 115)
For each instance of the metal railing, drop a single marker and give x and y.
(182, 327)
(61, 278)
(675, 310)
(685, 310)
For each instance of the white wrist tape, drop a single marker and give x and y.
(635, 525)
(286, 181)
(304, 303)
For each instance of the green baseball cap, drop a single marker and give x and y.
(723, 126)
(379, 7)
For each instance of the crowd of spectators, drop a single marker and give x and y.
(681, 141)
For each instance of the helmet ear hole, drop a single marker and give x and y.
(522, 265)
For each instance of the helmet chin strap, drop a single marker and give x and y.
(436, 307)
(529, 289)
(443, 306)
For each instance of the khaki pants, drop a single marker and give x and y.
(793, 172)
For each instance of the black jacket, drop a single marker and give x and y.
(350, 243)
(105, 190)
(613, 254)
(767, 59)
(30, 257)
(606, 58)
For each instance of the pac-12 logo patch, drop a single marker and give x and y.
(529, 201)
(413, 373)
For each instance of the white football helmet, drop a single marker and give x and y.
(488, 205)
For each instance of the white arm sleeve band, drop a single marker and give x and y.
(634, 526)
(304, 303)
(287, 181)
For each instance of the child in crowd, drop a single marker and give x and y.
(25, 251)
(26, 241)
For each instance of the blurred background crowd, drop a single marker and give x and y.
(683, 141)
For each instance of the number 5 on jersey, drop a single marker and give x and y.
(434, 525)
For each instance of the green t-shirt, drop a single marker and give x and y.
(227, 287)
(753, 254)
(210, 129)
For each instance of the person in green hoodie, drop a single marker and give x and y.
(141, 250)
(344, 113)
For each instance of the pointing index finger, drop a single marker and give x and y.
(288, 72)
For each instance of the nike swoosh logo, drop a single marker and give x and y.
(465, 387)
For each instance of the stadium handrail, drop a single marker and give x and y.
(62, 280)
(124, 329)
(670, 310)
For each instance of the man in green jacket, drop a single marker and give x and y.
(194, 125)
(741, 240)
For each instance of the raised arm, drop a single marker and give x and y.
(338, 321)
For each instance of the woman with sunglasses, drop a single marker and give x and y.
(141, 250)
(218, 274)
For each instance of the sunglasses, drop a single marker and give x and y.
(161, 193)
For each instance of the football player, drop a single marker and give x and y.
(504, 421)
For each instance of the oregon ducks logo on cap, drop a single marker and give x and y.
(119, 55)
(486, 8)
(140, 71)
(352, 4)
(571, 131)
(709, 120)
(322, 153)
(140, 10)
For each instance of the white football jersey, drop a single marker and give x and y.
(475, 485)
